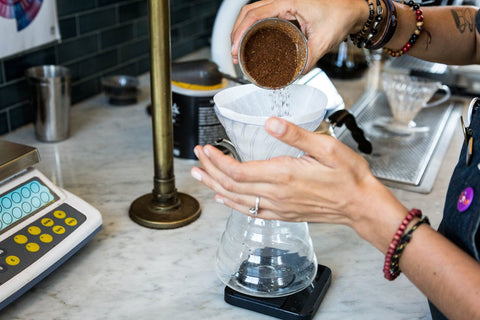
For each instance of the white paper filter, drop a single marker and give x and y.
(243, 111)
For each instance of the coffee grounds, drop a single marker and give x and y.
(270, 57)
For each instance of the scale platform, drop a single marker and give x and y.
(41, 225)
(409, 162)
(299, 306)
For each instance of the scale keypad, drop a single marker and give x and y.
(30, 243)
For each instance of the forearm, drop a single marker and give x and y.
(449, 34)
(444, 273)
(448, 276)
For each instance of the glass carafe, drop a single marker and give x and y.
(257, 257)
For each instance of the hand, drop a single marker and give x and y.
(325, 23)
(331, 184)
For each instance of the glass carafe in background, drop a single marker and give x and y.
(407, 96)
(266, 258)
(346, 61)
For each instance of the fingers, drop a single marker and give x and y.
(292, 193)
(262, 212)
(316, 49)
(321, 147)
(237, 184)
(254, 12)
(250, 14)
(220, 173)
(246, 177)
(210, 175)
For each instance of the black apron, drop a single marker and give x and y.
(461, 215)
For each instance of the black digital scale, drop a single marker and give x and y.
(299, 306)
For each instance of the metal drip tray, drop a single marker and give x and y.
(405, 161)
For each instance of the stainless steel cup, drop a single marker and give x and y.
(51, 98)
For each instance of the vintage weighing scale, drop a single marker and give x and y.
(41, 225)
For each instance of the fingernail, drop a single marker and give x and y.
(196, 152)
(276, 126)
(219, 200)
(206, 152)
(196, 175)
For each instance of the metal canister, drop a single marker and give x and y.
(194, 120)
(50, 95)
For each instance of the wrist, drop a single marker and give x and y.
(391, 267)
(362, 15)
(378, 213)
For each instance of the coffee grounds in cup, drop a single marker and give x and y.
(270, 57)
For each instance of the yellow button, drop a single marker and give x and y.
(71, 222)
(58, 229)
(20, 239)
(12, 260)
(46, 238)
(47, 222)
(32, 247)
(34, 230)
(59, 214)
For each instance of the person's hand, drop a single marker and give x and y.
(331, 184)
(325, 23)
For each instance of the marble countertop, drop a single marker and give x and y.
(130, 272)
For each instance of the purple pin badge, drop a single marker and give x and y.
(465, 199)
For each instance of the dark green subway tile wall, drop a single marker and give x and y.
(99, 38)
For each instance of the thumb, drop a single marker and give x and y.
(318, 146)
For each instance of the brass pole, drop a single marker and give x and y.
(164, 208)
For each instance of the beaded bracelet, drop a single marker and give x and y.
(395, 241)
(359, 38)
(414, 36)
(395, 265)
(390, 26)
(374, 29)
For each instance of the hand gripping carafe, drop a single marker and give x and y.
(257, 257)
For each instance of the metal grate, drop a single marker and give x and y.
(401, 160)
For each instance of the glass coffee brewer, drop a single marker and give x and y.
(269, 266)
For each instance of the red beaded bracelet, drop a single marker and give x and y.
(395, 241)
(395, 265)
(414, 36)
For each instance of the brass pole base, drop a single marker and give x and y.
(147, 213)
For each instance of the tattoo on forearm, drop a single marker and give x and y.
(464, 19)
(428, 41)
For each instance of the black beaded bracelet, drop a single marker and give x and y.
(358, 38)
(395, 264)
(374, 29)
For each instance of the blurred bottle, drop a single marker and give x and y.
(346, 61)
